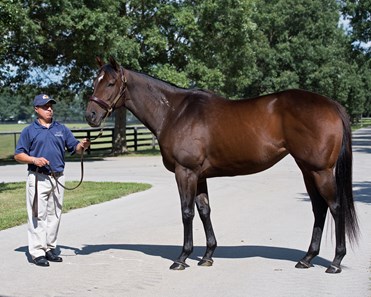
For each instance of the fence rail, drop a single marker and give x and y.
(137, 138)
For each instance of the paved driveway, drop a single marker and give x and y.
(124, 247)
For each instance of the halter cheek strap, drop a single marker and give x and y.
(101, 103)
(107, 107)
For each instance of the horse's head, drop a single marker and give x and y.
(108, 94)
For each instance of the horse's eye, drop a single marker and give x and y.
(111, 83)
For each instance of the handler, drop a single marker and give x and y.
(42, 146)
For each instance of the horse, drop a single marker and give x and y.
(203, 135)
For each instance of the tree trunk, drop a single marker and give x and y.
(119, 135)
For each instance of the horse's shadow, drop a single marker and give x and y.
(170, 252)
(361, 143)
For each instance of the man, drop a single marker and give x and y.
(42, 146)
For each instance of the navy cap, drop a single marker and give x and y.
(43, 99)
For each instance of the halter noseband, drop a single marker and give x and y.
(107, 107)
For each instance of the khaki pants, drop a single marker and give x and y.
(43, 230)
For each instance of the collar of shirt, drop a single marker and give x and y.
(39, 126)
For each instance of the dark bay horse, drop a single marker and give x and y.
(203, 135)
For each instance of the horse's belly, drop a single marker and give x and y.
(228, 166)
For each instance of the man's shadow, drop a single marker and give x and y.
(171, 252)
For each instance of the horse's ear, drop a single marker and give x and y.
(99, 61)
(114, 64)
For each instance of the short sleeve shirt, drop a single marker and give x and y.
(39, 141)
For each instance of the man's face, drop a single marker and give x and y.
(45, 111)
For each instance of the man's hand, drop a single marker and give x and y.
(83, 145)
(40, 162)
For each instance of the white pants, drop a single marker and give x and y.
(43, 230)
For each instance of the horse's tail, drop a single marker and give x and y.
(343, 176)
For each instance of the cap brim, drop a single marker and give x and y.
(52, 101)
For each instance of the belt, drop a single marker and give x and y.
(54, 174)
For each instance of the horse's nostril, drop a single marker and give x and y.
(89, 116)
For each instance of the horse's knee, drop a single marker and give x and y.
(334, 208)
(203, 205)
(188, 214)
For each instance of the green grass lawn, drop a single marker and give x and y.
(365, 122)
(13, 198)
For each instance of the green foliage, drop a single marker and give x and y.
(13, 107)
(221, 56)
(359, 14)
(238, 48)
(304, 48)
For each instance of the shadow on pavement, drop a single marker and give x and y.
(171, 252)
(362, 192)
(361, 143)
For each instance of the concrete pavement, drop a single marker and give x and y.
(124, 247)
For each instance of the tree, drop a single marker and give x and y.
(305, 48)
(63, 37)
(11, 107)
(359, 14)
(222, 58)
(238, 48)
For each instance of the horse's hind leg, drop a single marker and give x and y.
(203, 207)
(326, 183)
(319, 207)
(325, 187)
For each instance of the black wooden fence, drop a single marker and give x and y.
(137, 138)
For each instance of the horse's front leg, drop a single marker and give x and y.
(187, 186)
(203, 207)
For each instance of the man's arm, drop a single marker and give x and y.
(26, 159)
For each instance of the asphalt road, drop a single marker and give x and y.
(125, 247)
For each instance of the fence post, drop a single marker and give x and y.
(15, 140)
(135, 138)
(113, 138)
(88, 137)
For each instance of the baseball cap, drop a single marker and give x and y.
(42, 99)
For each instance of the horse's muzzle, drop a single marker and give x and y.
(92, 119)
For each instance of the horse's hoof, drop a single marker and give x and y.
(206, 262)
(303, 265)
(179, 266)
(333, 269)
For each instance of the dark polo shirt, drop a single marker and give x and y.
(39, 141)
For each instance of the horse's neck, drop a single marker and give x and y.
(151, 101)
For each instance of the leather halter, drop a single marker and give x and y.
(103, 104)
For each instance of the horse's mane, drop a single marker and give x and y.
(172, 85)
(111, 70)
